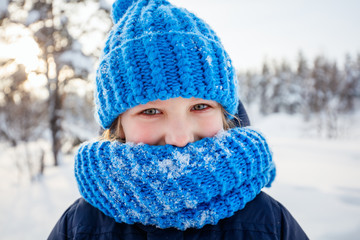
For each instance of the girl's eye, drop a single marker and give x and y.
(198, 107)
(151, 111)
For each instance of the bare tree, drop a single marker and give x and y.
(63, 58)
(22, 115)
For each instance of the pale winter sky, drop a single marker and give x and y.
(254, 30)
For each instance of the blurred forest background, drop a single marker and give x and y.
(46, 88)
(309, 108)
(46, 80)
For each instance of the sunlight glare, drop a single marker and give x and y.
(26, 51)
(35, 81)
(37, 84)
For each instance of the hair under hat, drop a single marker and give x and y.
(158, 51)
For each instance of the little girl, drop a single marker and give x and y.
(171, 163)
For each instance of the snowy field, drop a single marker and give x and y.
(318, 180)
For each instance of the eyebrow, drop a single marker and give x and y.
(160, 103)
(154, 103)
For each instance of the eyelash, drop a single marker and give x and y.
(146, 111)
(205, 106)
(151, 114)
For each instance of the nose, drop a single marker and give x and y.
(179, 133)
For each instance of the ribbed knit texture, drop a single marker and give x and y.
(158, 51)
(167, 186)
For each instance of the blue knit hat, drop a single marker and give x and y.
(158, 51)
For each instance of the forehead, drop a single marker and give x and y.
(177, 101)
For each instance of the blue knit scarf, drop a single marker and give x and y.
(168, 186)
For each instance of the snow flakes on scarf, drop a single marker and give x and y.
(168, 186)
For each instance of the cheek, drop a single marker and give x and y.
(210, 126)
(141, 133)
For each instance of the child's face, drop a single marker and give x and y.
(177, 121)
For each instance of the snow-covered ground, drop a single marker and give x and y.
(318, 180)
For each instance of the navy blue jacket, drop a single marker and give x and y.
(262, 218)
